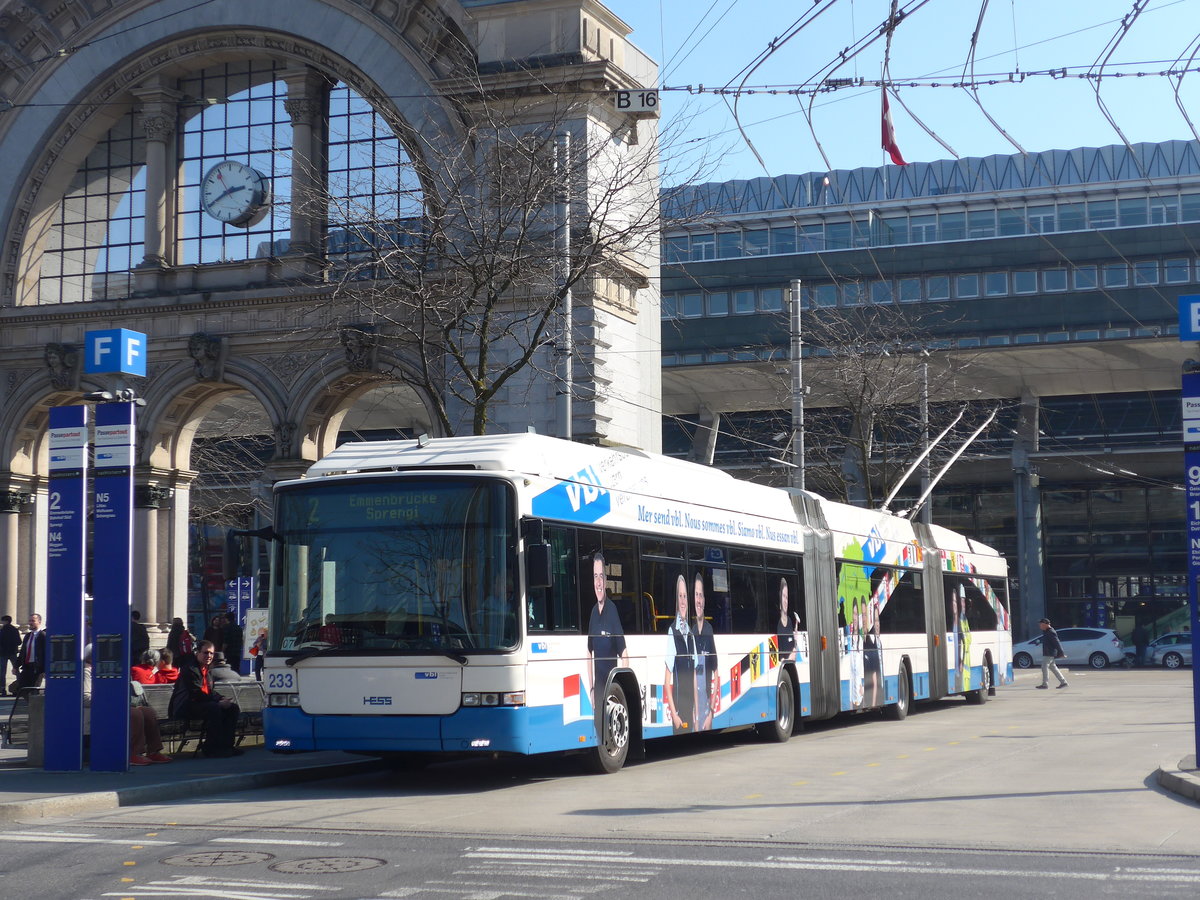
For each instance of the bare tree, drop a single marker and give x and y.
(541, 205)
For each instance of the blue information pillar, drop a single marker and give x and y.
(112, 545)
(1189, 330)
(64, 594)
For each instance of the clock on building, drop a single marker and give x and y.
(235, 194)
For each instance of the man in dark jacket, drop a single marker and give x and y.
(10, 645)
(32, 654)
(139, 637)
(195, 697)
(1051, 650)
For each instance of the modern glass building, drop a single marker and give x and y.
(1042, 286)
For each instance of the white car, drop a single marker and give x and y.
(1095, 647)
(1172, 651)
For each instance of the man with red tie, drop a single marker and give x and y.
(195, 697)
(32, 655)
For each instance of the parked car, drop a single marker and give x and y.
(1095, 647)
(1171, 651)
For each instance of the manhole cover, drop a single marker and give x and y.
(326, 864)
(218, 858)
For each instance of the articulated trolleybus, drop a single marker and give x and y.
(523, 594)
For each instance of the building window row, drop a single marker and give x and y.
(934, 288)
(967, 342)
(871, 229)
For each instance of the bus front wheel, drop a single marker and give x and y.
(613, 747)
(785, 713)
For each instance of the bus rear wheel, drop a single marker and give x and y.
(899, 710)
(785, 713)
(613, 747)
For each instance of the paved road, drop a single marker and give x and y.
(1038, 792)
(1064, 770)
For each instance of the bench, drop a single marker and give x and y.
(248, 695)
(15, 729)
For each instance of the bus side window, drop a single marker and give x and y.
(557, 608)
(905, 612)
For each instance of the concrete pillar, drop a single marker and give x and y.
(1030, 568)
(158, 118)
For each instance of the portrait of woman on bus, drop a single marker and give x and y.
(679, 679)
(785, 626)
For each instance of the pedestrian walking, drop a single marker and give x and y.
(1052, 650)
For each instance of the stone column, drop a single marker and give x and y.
(158, 118)
(175, 603)
(148, 498)
(12, 504)
(305, 105)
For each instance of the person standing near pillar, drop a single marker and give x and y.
(139, 637)
(10, 646)
(33, 654)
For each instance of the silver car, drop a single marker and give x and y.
(1171, 651)
(1095, 647)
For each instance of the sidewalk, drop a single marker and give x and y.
(31, 793)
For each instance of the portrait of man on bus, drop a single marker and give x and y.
(606, 637)
(679, 680)
(708, 696)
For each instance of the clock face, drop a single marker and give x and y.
(234, 193)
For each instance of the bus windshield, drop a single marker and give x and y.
(404, 564)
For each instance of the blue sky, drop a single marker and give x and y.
(708, 42)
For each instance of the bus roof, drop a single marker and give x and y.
(621, 469)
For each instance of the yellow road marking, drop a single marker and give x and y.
(871, 765)
(798, 783)
(839, 773)
(752, 797)
(902, 756)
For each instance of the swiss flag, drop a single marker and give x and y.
(889, 134)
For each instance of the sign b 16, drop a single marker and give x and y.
(644, 100)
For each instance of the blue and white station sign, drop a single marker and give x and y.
(1189, 317)
(116, 350)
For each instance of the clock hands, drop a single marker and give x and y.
(228, 191)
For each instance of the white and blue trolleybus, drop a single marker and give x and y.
(523, 594)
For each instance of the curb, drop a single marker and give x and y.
(1177, 778)
(104, 801)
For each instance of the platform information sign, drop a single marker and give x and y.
(67, 543)
(111, 582)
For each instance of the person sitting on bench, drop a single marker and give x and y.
(195, 697)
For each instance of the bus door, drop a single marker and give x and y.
(820, 597)
(935, 632)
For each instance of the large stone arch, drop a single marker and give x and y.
(67, 102)
(321, 402)
(179, 402)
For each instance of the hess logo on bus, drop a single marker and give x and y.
(377, 701)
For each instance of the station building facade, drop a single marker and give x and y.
(190, 171)
(1049, 282)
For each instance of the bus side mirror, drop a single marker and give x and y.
(538, 571)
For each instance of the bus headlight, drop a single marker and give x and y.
(283, 699)
(477, 698)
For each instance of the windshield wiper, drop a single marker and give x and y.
(307, 652)
(457, 657)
